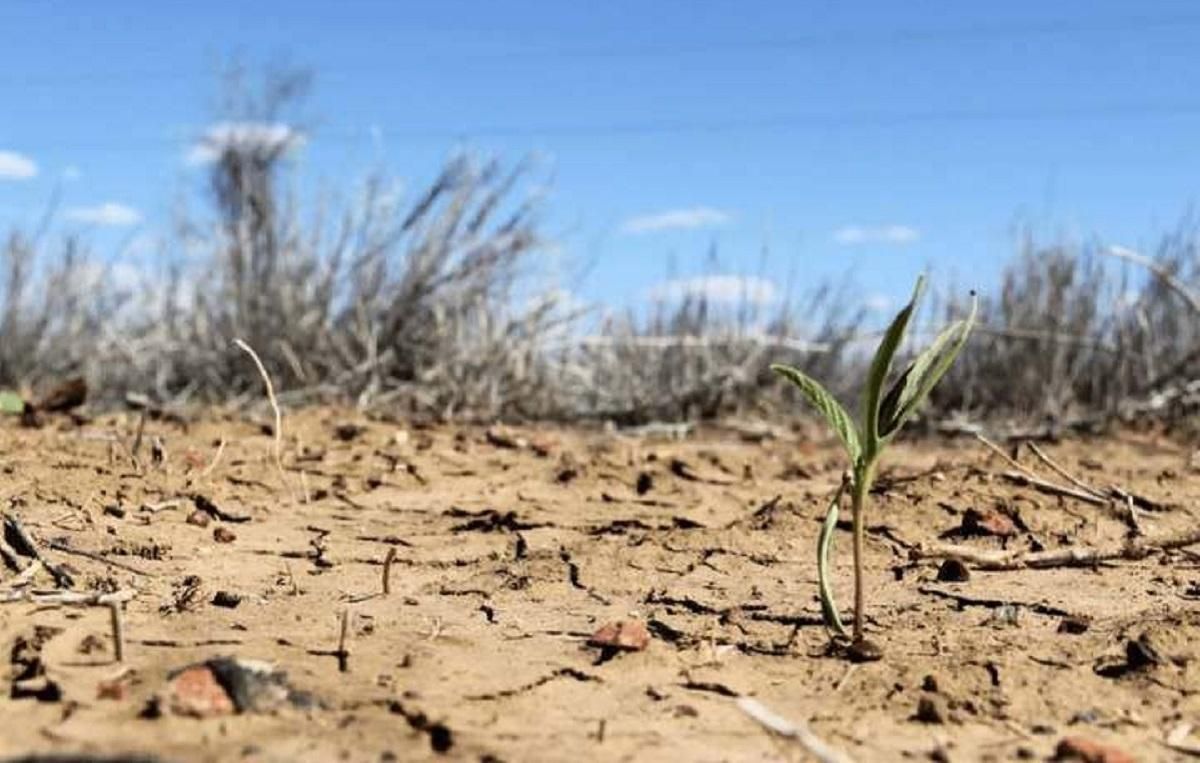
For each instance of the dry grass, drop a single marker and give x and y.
(700, 359)
(421, 305)
(1074, 335)
(414, 308)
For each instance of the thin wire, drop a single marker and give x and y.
(667, 127)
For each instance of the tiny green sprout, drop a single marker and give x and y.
(883, 414)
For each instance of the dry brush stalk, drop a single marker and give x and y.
(1132, 550)
(262, 370)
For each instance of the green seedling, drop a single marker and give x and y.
(883, 414)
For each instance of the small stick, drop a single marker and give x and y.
(262, 370)
(1060, 471)
(28, 573)
(845, 677)
(387, 570)
(1127, 511)
(118, 630)
(137, 437)
(158, 451)
(1161, 273)
(154, 508)
(1007, 459)
(95, 598)
(215, 460)
(1177, 740)
(813, 745)
(343, 655)
(24, 544)
(1085, 492)
(1138, 548)
(1024, 478)
(97, 558)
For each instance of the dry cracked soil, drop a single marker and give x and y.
(511, 547)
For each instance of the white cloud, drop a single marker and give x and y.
(14, 166)
(718, 288)
(852, 235)
(108, 214)
(246, 136)
(676, 219)
(878, 303)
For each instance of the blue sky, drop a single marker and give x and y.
(796, 139)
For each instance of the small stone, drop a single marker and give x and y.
(70, 394)
(929, 683)
(114, 688)
(1080, 750)
(199, 518)
(863, 650)
(502, 437)
(226, 599)
(930, 709)
(644, 483)
(223, 535)
(348, 431)
(92, 643)
(953, 571)
(1089, 716)
(42, 688)
(195, 692)
(227, 685)
(1005, 616)
(1140, 653)
(1074, 625)
(988, 522)
(625, 635)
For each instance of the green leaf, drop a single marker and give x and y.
(827, 404)
(882, 363)
(926, 371)
(11, 402)
(829, 609)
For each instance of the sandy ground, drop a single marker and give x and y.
(509, 555)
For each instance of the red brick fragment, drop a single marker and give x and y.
(626, 635)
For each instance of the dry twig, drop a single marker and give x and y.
(262, 370)
(813, 745)
(73, 598)
(1132, 550)
(118, 630)
(1024, 478)
(1062, 472)
(343, 651)
(387, 570)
